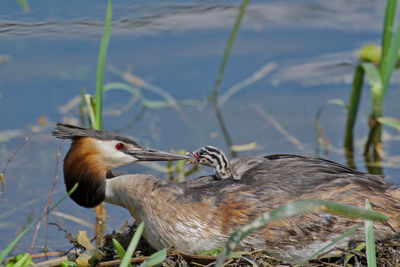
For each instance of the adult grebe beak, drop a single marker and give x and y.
(154, 155)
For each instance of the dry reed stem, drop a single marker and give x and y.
(278, 127)
(51, 262)
(48, 202)
(9, 162)
(117, 262)
(258, 75)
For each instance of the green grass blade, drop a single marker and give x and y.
(353, 107)
(392, 122)
(213, 252)
(82, 108)
(352, 230)
(156, 258)
(318, 129)
(370, 239)
(375, 82)
(391, 60)
(390, 13)
(7, 250)
(214, 93)
(100, 67)
(136, 92)
(120, 250)
(126, 260)
(68, 263)
(24, 5)
(125, 87)
(90, 110)
(351, 255)
(24, 261)
(292, 209)
(21, 260)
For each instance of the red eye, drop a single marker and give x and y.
(119, 146)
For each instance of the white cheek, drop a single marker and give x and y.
(114, 158)
(123, 159)
(118, 158)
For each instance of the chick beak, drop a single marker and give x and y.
(154, 155)
(193, 154)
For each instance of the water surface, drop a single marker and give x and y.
(49, 54)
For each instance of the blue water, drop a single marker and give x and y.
(51, 54)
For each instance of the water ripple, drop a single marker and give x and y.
(353, 16)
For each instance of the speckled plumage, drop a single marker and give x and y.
(200, 214)
(214, 157)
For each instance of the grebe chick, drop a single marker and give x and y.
(214, 157)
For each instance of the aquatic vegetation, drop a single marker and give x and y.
(24, 5)
(155, 258)
(376, 64)
(10, 246)
(378, 79)
(21, 260)
(213, 95)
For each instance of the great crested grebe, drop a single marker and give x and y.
(199, 214)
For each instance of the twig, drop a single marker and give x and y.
(117, 262)
(373, 125)
(228, 262)
(73, 218)
(39, 255)
(45, 254)
(100, 225)
(258, 75)
(139, 82)
(322, 139)
(50, 196)
(135, 120)
(9, 162)
(198, 264)
(328, 264)
(13, 154)
(210, 264)
(278, 127)
(51, 262)
(70, 237)
(135, 80)
(224, 129)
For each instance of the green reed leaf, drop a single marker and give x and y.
(156, 258)
(354, 103)
(100, 67)
(392, 122)
(126, 260)
(370, 239)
